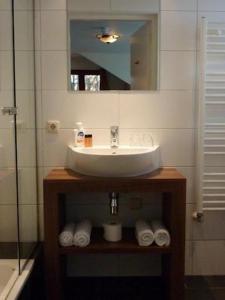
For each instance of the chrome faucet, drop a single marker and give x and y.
(114, 203)
(114, 136)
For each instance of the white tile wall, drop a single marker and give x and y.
(97, 111)
(166, 109)
(40, 150)
(206, 230)
(189, 222)
(24, 5)
(24, 30)
(99, 213)
(53, 30)
(178, 30)
(55, 147)
(188, 257)
(26, 147)
(141, 6)
(150, 199)
(168, 139)
(175, 5)
(52, 4)
(6, 70)
(1, 158)
(208, 257)
(7, 142)
(38, 78)
(27, 186)
(5, 30)
(8, 188)
(209, 5)
(167, 114)
(28, 221)
(177, 70)
(24, 70)
(8, 226)
(6, 99)
(26, 108)
(54, 70)
(37, 4)
(89, 5)
(37, 30)
(5, 5)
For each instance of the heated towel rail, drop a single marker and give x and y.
(210, 171)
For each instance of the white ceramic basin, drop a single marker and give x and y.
(104, 161)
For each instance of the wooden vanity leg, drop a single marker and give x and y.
(173, 264)
(51, 249)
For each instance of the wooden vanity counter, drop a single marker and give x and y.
(168, 181)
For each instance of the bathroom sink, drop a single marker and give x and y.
(104, 161)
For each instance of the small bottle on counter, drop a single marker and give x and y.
(88, 140)
(79, 140)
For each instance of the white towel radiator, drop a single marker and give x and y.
(210, 163)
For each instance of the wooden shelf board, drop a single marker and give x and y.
(161, 174)
(127, 245)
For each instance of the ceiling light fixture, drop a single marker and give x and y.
(107, 37)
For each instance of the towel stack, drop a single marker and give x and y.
(77, 235)
(82, 234)
(66, 236)
(144, 233)
(161, 234)
(147, 233)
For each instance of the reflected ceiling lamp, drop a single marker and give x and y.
(107, 37)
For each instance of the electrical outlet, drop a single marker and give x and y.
(53, 126)
(135, 203)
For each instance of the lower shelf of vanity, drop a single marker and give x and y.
(128, 244)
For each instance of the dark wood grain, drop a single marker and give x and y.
(160, 180)
(168, 174)
(167, 181)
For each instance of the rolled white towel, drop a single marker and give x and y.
(82, 234)
(144, 233)
(161, 234)
(67, 234)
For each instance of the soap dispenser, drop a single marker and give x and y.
(79, 135)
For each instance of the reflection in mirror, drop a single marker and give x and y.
(113, 54)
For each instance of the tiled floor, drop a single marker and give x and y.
(205, 288)
(129, 288)
(196, 288)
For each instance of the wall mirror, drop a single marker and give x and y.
(113, 52)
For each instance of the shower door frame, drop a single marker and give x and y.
(20, 267)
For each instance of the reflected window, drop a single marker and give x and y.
(88, 80)
(92, 83)
(74, 82)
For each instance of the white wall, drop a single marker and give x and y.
(167, 114)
